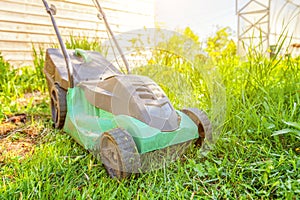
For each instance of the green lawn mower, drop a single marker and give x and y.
(120, 118)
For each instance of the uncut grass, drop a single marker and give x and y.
(246, 163)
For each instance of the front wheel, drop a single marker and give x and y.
(119, 154)
(200, 118)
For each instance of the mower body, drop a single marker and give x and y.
(104, 99)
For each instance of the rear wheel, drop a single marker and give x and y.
(119, 153)
(200, 118)
(58, 105)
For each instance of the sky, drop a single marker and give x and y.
(202, 16)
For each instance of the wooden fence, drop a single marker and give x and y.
(25, 23)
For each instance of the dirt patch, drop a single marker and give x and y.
(11, 124)
(19, 148)
(33, 98)
(17, 137)
(19, 133)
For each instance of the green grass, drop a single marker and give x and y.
(249, 161)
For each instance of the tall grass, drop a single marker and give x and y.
(16, 82)
(86, 43)
(251, 159)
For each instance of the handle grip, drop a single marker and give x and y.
(83, 54)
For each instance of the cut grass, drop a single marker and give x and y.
(247, 162)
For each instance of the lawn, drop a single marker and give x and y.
(254, 103)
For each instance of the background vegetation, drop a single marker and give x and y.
(256, 156)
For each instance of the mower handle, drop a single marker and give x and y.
(52, 11)
(101, 16)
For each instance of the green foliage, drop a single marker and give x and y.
(179, 44)
(15, 82)
(190, 34)
(172, 65)
(85, 43)
(38, 75)
(220, 47)
(5, 74)
(294, 130)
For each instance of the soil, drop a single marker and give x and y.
(18, 136)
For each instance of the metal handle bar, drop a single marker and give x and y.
(52, 11)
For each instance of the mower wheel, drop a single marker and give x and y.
(200, 118)
(58, 105)
(119, 154)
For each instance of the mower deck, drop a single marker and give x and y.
(86, 123)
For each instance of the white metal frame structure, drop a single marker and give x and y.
(261, 23)
(253, 24)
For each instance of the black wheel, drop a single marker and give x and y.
(200, 118)
(58, 105)
(119, 154)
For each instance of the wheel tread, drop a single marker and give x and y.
(128, 152)
(199, 116)
(61, 98)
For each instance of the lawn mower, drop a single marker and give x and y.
(119, 117)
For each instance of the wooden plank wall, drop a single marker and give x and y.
(25, 23)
